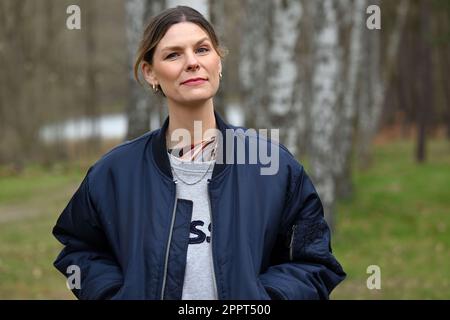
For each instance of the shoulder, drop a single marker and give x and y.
(275, 161)
(266, 141)
(123, 156)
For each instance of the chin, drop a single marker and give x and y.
(196, 100)
(199, 95)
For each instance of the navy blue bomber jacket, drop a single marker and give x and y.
(129, 235)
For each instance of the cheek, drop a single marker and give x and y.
(169, 73)
(214, 63)
(215, 68)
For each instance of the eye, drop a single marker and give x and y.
(172, 55)
(203, 49)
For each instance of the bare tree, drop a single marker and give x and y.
(141, 105)
(18, 56)
(269, 67)
(255, 66)
(444, 60)
(300, 71)
(53, 84)
(284, 83)
(379, 76)
(91, 96)
(219, 19)
(353, 25)
(442, 11)
(324, 122)
(226, 16)
(425, 69)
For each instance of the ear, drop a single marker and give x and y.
(149, 73)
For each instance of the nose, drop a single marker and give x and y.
(192, 63)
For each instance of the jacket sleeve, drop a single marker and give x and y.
(86, 247)
(303, 266)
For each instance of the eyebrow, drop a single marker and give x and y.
(178, 47)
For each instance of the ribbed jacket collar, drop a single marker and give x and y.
(162, 158)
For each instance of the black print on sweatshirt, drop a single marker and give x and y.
(197, 234)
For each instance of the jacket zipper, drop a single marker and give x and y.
(211, 242)
(168, 244)
(292, 242)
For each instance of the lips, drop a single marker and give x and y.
(193, 80)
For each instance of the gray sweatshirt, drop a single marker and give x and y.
(199, 277)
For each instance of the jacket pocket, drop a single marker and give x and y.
(309, 240)
(275, 294)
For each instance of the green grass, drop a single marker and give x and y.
(27, 250)
(35, 180)
(29, 206)
(398, 219)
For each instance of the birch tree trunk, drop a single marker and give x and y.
(142, 103)
(324, 108)
(255, 66)
(353, 14)
(292, 69)
(285, 103)
(269, 71)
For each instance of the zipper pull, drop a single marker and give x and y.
(291, 253)
(290, 237)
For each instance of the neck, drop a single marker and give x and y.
(184, 117)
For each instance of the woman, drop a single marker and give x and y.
(154, 219)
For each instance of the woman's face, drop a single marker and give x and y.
(185, 52)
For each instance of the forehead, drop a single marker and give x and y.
(182, 34)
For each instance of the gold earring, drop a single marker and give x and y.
(155, 89)
(220, 75)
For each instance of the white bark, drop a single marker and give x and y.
(269, 66)
(324, 108)
(348, 108)
(284, 104)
